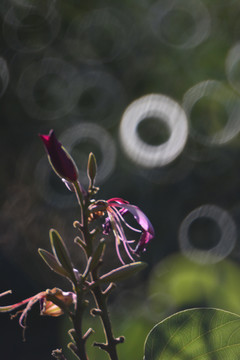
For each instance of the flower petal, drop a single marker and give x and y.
(49, 308)
(118, 200)
(12, 307)
(141, 219)
(139, 216)
(141, 246)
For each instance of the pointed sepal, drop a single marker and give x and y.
(61, 253)
(51, 261)
(98, 254)
(92, 167)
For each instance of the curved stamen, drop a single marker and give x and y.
(124, 221)
(119, 233)
(32, 301)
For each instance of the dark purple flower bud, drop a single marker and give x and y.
(60, 160)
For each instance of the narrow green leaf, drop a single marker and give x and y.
(61, 253)
(98, 253)
(195, 334)
(123, 272)
(51, 261)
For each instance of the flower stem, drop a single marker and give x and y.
(84, 203)
(111, 342)
(99, 297)
(79, 196)
(77, 322)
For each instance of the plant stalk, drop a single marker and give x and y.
(111, 342)
(99, 297)
(77, 322)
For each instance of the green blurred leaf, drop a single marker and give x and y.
(51, 261)
(202, 334)
(177, 283)
(61, 253)
(123, 272)
(98, 253)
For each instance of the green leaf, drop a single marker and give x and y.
(98, 253)
(51, 261)
(61, 253)
(195, 334)
(123, 272)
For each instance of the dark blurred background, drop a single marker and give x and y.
(153, 89)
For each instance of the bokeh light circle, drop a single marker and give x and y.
(165, 110)
(44, 5)
(92, 134)
(98, 37)
(233, 66)
(214, 91)
(226, 241)
(46, 182)
(58, 93)
(102, 98)
(31, 30)
(175, 172)
(4, 76)
(168, 15)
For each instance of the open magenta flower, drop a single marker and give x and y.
(60, 160)
(46, 307)
(116, 208)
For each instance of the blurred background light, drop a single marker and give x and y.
(181, 24)
(79, 139)
(233, 67)
(164, 110)
(49, 89)
(30, 29)
(174, 172)
(36, 5)
(214, 111)
(100, 36)
(206, 234)
(4, 76)
(51, 188)
(102, 98)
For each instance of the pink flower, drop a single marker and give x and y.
(60, 160)
(46, 307)
(116, 208)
